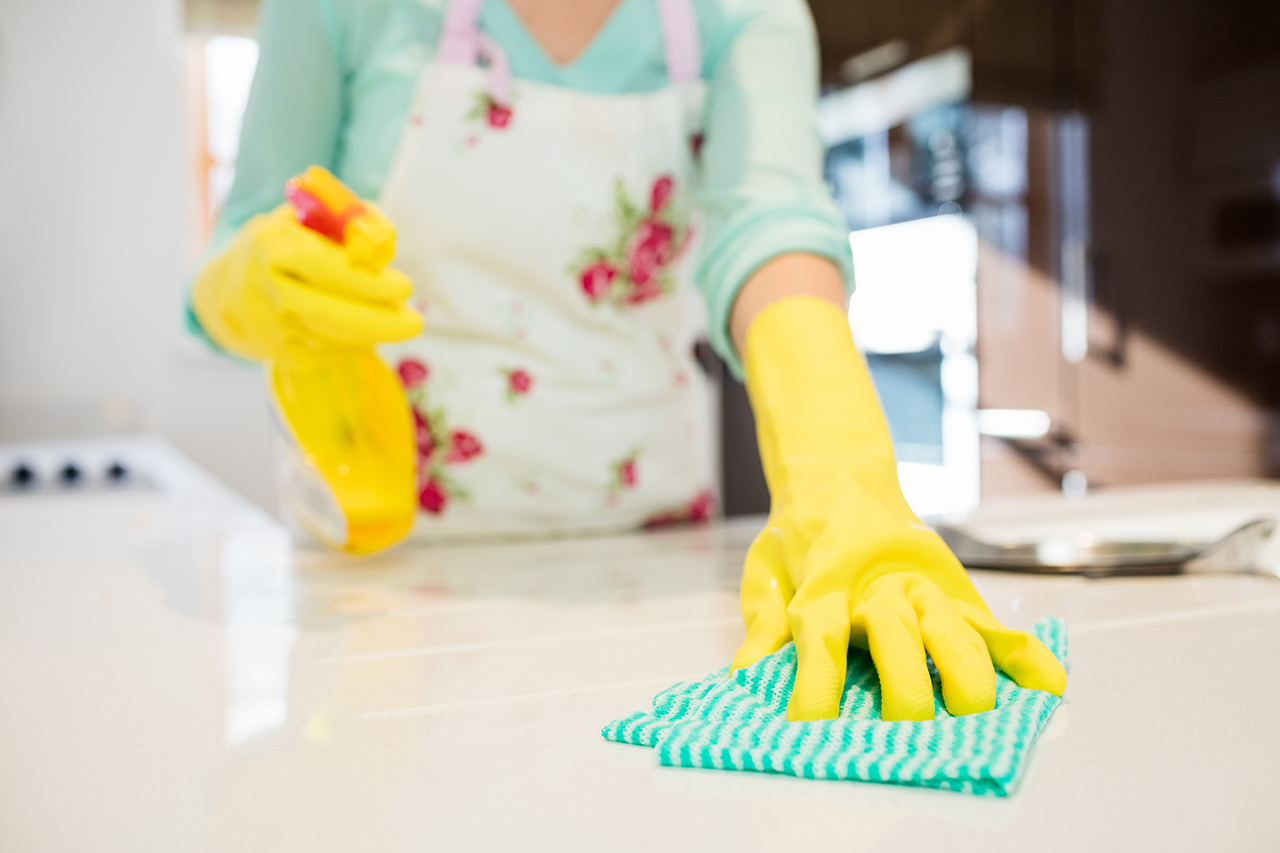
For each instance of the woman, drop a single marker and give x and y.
(557, 172)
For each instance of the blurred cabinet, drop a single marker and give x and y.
(1129, 399)
(1131, 290)
(1045, 54)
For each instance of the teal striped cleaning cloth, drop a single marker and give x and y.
(739, 722)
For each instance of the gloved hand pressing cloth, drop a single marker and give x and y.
(843, 565)
(843, 558)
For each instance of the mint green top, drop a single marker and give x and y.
(335, 79)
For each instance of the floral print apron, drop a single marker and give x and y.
(549, 237)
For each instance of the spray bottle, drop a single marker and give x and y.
(344, 434)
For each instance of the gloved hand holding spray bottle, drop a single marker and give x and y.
(306, 289)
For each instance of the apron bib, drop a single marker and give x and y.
(548, 234)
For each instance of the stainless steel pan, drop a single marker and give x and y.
(1235, 553)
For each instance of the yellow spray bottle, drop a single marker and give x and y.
(345, 442)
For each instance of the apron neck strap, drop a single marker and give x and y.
(680, 37)
(461, 42)
(460, 38)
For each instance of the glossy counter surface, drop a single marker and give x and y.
(175, 677)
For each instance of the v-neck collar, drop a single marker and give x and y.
(517, 28)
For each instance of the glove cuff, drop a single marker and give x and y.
(813, 396)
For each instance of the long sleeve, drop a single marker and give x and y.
(762, 193)
(295, 110)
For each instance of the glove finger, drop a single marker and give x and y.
(291, 248)
(892, 634)
(766, 591)
(958, 652)
(323, 264)
(1021, 656)
(386, 285)
(343, 321)
(821, 628)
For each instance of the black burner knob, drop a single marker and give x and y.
(22, 476)
(71, 475)
(116, 472)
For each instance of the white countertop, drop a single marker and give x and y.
(175, 677)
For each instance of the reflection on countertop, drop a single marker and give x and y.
(178, 674)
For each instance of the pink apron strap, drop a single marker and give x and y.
(680, 36)
(462, 42)
(499, 71)
(460, 38)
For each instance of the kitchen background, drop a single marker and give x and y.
(1065, 215)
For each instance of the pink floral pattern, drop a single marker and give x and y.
(485, 109)
(439, 446)
(698, 510)
(432, 497)
(625, 475)
(412, 372)
(426, 442)
(519, 383)
(596, 279)
(637, 267)
(463, 447)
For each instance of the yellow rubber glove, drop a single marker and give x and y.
(284, 293)
(306, 288)
(843, 559)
